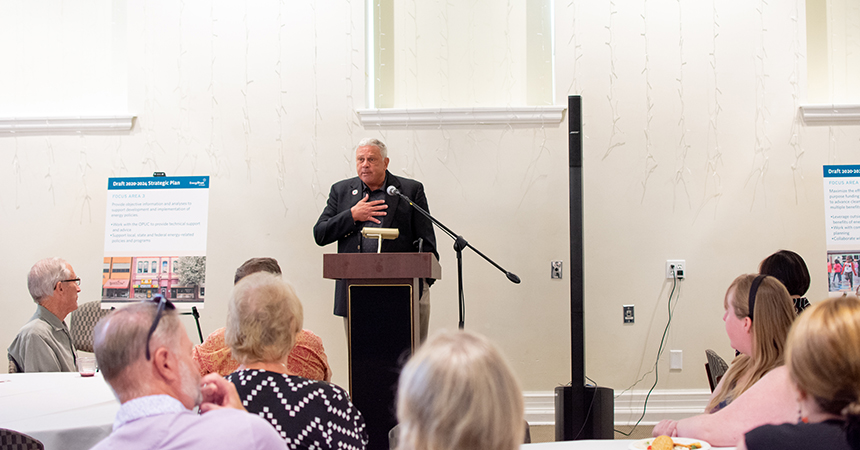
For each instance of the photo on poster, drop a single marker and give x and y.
(128, 279)
(843, 271)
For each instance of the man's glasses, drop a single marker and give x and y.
(163, 304)
(77, 281)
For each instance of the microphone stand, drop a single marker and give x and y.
(459, 244)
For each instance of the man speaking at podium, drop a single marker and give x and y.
(361, 202)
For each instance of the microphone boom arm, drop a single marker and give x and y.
(459, 244)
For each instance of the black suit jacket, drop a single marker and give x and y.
(336, 224)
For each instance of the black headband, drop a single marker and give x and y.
(753, 290)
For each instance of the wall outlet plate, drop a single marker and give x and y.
(676, 268)
(628, 314)
(676, 359)
(555, 270)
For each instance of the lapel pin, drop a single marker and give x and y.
(354, 191)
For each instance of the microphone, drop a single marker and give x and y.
(394, 192)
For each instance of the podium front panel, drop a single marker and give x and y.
(380, 341)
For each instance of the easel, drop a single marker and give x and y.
(194, 312)
(196, 315)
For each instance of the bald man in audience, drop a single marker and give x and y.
(144, 354)
(44, 343)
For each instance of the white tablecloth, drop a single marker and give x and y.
(70, 412)
(63, 410)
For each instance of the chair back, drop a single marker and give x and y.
(716, 367)
(13, 440)
(83, 322)
(13, 365)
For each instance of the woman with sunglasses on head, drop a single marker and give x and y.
(755, 390)
(823, 360)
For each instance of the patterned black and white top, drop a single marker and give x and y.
(308, 414)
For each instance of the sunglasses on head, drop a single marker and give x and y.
(163, 304)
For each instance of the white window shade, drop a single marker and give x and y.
(438, 56)
(63, 60)
(833, 62)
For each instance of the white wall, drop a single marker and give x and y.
(693, 151)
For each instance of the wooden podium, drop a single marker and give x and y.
(383, 327)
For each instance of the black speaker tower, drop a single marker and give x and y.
(581, 412)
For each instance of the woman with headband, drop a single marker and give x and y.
(756, 389)
(823, 360)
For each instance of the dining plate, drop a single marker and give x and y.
(642, 444)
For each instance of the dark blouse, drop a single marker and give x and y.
(800, 304)
(829, 435)
(308, 414)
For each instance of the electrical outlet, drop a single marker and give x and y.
(628, 314)
(676, 268)
(555, 270)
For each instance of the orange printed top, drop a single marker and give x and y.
(307, 359)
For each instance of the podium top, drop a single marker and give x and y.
(362, 266)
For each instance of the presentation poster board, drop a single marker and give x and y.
(842, 217)
(155, 240)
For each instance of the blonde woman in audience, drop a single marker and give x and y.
(823, 360)
(458, 393)
(263, 317)
(756, 389)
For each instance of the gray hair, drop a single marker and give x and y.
(120, 337)
(458, 393)
(44, 276)
(373, 142)
(264, 315)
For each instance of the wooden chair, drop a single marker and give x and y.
(13, 440)
(716, 367)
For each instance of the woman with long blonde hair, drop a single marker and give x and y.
(756, 389)
(764, 347)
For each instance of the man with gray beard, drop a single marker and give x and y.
(144, 354)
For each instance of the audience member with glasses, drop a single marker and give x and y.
(756, 389)
(144, 354)
(264, 315)
(44, 344)
(823, 360)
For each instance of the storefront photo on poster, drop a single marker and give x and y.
(136, 278)
(155, 240)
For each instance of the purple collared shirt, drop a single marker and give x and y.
(162, 422)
